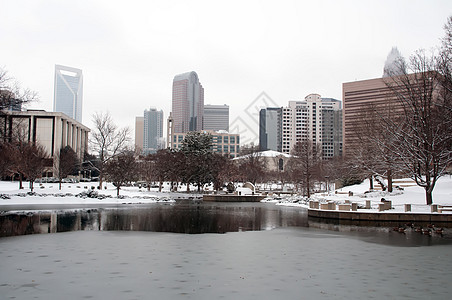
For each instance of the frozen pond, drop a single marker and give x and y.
(114, 253)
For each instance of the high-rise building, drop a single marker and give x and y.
(68, 92)
(139, 133)
(153, 130)
(270, 129)
(187, 103)
(216, 117)
(315, 119)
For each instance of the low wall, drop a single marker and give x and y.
(232, 198)
(381, 217)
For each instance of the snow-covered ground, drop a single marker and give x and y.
(78, 193)
(83, 193)
(414, 195)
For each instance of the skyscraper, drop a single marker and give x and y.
(188, 103)
(216, 117)
(153, 130)
(139, 133)
(315, 119)
(270, 129)
(68, 92)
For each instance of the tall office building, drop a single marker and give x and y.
(270, 129)
(153, 130)
(216, 117)
(187, 103)
(139, 133)
(68, 92)
(316, 119)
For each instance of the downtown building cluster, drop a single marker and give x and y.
(189, 113)
(316, 119)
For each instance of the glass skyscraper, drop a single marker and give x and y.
(68, 93)
(153, 130)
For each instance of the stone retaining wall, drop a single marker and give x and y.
(381, 217)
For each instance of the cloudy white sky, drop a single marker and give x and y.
(130, 51)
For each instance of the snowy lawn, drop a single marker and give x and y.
(414, 195)
(82, 193)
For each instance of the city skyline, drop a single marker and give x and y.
(287, 49)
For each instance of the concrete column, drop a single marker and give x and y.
(368, 204)
(63, 133)
(53, 223)
(407, 207)
(69, 134)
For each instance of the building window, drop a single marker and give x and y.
(232, 148)
(232, 139)
(225, 139)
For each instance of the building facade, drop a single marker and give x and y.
(222, 142)
(187, 103)
(139, 133)
(153, 130)
(216, 117)
(359, 98)
(270, 125)
(52, 130)
(68, 92)
(315, 119)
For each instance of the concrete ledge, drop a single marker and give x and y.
(232, 198)
(381, 217)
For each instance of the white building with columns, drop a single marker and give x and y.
(52, 130)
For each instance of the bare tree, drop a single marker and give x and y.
(68, 163)
(371, 156)
(147, 170)
(30, 161)
(107, 140)
(6, 159)
(421, 135)
(252, 165)
(305, 164)
(12, 94)
(122, 169)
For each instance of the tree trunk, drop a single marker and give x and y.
(428, 196)
(117, 190)
(21, 187)
(390, 181)
(100, 179)
(31, 185)
(59, 184)
(371, 182)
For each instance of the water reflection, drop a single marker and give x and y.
(201, 217)
(183, 217)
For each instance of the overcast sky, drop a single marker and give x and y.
(130, 51)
